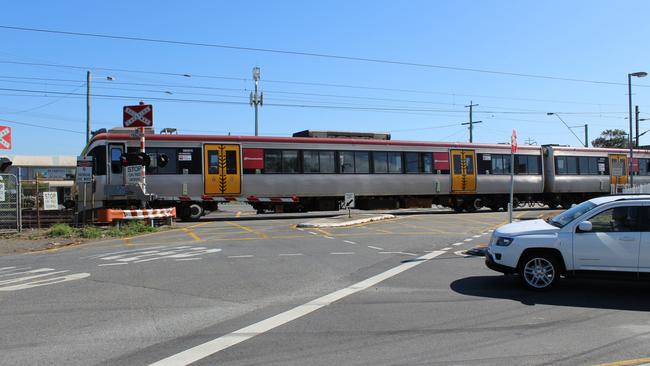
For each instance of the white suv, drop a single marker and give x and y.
(603, 236)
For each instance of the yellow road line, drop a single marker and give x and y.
(238, 214)
(324, 232)
(436, 231)
(635, 361)
(260, 234)
(191, 234)
(128, 242)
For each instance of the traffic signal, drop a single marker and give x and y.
(162, 160)
(5, 163)
(140, 158)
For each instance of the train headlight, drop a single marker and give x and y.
(503, 242)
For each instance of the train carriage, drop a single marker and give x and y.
(313, 172)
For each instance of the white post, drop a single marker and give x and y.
(512, 186)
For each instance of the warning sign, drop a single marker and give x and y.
(50, 201)
(133, 174)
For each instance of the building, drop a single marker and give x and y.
(54, 173)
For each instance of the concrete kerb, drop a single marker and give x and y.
(343, 220)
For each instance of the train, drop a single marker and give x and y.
(312, 170)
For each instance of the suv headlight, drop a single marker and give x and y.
(503, 242)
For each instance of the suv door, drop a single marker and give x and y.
(644, 250)
(612, 244)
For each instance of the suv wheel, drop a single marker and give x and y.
(539, 271)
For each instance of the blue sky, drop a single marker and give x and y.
(593, 40)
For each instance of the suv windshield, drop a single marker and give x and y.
(571, 214)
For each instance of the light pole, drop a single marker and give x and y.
(639, 74)
(586, 127)
(88, 79)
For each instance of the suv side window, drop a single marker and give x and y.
(617, 219)
(644, 216)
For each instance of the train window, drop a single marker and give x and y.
(213, 162)
(116, 166)
(457, 166)
(231, 162)
(427, 163)
(272, 161)
(188, 161)
(346, 159)
(361, 162)
(469, 164)
(497, 164)
(533, 164)
(380, 162)
(290, 162)
(412, 162)
(395, 162)
(99, 160)
(327, 161)
(560, 165)
(643, 166)
(521, 164)
(571, 165)
(310, 163)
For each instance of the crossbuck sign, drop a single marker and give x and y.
(5, 138)
(138, 115)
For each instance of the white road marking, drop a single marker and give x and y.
(301, 229)
(491, 231)
(6, 268)
(406, 253)
(457, 244)
(188, 259)
(120, 252)
(447, 248)
(39, 270)
(476, 236)
(240, 256)
(20, 279)
(111, 264)
(290, 254)
(148, 255)
(219, 344)
(468, 239)
(341, 253)
(312, 233)
(376, 248)
(462, 253)
(328, 237)
(349, 242)
(45, 282)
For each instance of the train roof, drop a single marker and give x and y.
(305, 140)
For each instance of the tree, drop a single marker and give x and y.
(611, 138)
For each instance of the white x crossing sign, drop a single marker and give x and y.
(138, 115)
(5, 138)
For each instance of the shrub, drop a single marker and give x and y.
(61, 230)
(90, 232)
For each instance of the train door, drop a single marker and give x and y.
(618, 169)
(463, 171)
(115, 175)
(222, 169)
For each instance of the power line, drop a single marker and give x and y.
(348, 86)
(307, 54)
(40, 126)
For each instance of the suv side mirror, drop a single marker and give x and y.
(585, 226)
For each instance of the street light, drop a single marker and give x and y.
(639, 74)
(88, 78)
(586, 127)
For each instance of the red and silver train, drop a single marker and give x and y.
(313, 171)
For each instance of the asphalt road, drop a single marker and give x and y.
(263, 292)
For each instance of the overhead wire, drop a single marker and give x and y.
(309, 54)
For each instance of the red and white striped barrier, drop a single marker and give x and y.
(107, 216)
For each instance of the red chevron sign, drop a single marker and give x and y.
(5, 138)
(138, 115)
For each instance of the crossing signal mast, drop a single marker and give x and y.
(256, 100)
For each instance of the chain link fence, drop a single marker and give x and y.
(10, 218)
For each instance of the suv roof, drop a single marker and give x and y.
(607, 199)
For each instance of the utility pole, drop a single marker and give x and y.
(636, 118)
(586, 135)
(471, 122)
(88, 77)
(256, 100)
